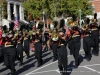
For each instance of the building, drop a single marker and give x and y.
(14, 11)
(96, 6)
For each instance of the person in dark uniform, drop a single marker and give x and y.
(95, 37)
(70, 40)
(1, 51)
(38, 50)
(26, 43)
(62, 53)
(11, 26)
(46, 38)
(76, 43)
(32, 40)
(10, 54)
(86, 42)
(54, 44)
(19, 48)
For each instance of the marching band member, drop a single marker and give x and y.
(54, 44)
(76, 43)
(1, 52)
(62, 53)
(19, 47)
(68, 33)
(33, 37)
(38, 49)
(45, 38)
(95, 37)
(26, 44)
(86, 42)
(10, 54)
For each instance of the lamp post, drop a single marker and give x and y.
(80, 11)
(44, 18)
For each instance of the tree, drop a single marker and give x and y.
(3, 8)
(74, 6)
(54, 7)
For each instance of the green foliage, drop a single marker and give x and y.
(75, 5)
(54, 7)
(3, 7)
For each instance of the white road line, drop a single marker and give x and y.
(92, 69)
(57, 70)
(92, 65)
(43, 72)
(45, 66)
(41, 68)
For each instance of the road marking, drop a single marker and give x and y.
(92, 69)
(92, 65)
(57, 70)
(43, 72)
(45, 66)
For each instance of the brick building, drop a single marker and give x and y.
(96, 6)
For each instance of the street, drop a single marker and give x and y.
(51, 68)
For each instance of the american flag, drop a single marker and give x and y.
(16, 24)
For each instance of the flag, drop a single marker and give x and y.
(16, 24)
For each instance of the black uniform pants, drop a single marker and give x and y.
(87, 46)
(62, 59)
(26, 47)
(54, 48)
(76, 43)
(70, 46)
(20, 52)
(1, 54)
(39, 59)
(95, 41)
(9, 61)
(38, 55)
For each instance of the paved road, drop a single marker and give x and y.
(50, 68)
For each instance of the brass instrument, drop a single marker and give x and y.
(32, 33)
(50, 32)
(53, 24)
(70, 23)
(54, 37)
(84, 27)
(75, 23)
(39, 25)
(16, 35)
(92, 20)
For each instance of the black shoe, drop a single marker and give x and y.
(54, 60)
(20, 64)
(39, 65)
(76, 66)
(13, 73)
(41, 62)
(14, 70)
(28, 57)
(71, 53)
(3, 64)
(96, 54)
(61, 73)
(88, 59)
